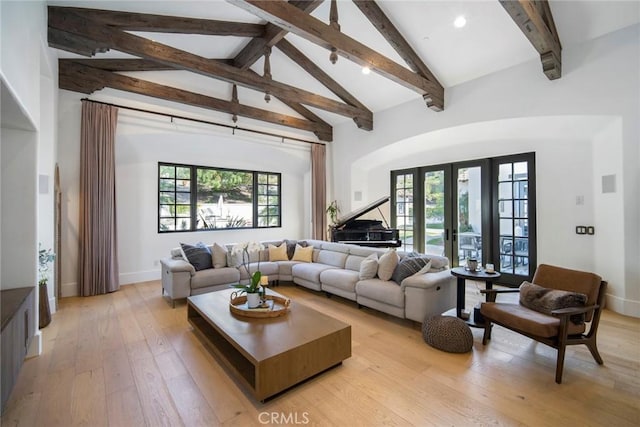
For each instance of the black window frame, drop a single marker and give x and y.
(273, 206)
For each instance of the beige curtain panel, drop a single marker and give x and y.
(318, 191)
(97, 257)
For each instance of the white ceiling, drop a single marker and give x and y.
(488, 43)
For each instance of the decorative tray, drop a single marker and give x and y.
(274, 306)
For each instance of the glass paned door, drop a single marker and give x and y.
(469, 225)
(435, 211)
(403, 203)
(514, 216)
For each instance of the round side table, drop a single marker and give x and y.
(462, 274)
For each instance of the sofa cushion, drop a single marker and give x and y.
(387, 264)
(218, 256)
(369, 267)
(527, 320)
(278, 253)
(546, 300)
(384, 291)
(214, 277)
(303, 254)
(310, 271)
(353, 262)
(336, 259)
(408, 266)
(341, 279)
(266, 268)
(198, 255)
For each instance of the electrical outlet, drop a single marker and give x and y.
(581, 229)
(591, 230)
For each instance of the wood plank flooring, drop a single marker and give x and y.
(129, 359)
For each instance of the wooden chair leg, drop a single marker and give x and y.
(560, 363)
(591, 345)
(487, 331)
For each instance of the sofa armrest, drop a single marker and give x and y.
(428, 280)
(177, 265)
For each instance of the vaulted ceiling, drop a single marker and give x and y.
(298, 64)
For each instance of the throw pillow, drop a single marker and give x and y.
(198, 255)
(218, 256)
(369, 267)
(545, 300)
(291, 247)
(387, 264)
(425, 269)
(303, 254)
(278, 253)
(408, 266)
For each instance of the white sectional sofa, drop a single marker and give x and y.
(335, 270)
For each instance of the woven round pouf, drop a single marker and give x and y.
(447, 333)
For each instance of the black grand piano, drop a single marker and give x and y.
(366, 232)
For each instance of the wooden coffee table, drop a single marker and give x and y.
(269, 355)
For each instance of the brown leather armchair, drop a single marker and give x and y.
(554, 329)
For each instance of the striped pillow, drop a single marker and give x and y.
(408, 266)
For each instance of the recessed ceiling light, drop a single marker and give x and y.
(460, 22)
(366, 70)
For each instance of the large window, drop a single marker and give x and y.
(192, 198)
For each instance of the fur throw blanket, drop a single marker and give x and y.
(545, 300)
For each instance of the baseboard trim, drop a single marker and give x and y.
(623, 306)
(35, 348)
(140, 276)
(71, 289)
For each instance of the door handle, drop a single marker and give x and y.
(455, 234)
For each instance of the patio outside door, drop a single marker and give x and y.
(454, 210)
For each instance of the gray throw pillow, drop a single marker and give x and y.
(545, 300)
(198, 255)
(408, 266)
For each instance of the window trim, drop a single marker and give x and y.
(194, 198)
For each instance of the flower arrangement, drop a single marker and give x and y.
(255, 279)
(45, 258)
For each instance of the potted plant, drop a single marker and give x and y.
(45, 258)
(332, 210)
(255, 289)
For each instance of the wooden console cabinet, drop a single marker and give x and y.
(16, 335)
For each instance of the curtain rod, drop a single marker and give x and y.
(234, 128)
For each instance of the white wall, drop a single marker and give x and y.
(29, 80)
(519, 110)
(143, 140)
(22, 24)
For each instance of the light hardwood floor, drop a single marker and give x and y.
(129, 359)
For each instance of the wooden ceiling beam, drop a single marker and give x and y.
(74, 43)
(298, 22)
(535, 20)
(130, 21)
(310, 67)
(390, 32)
(131, 64)
(75, 76)
(144, 48)
(149, 65)
(272, 35)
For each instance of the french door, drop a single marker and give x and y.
(481, 209)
